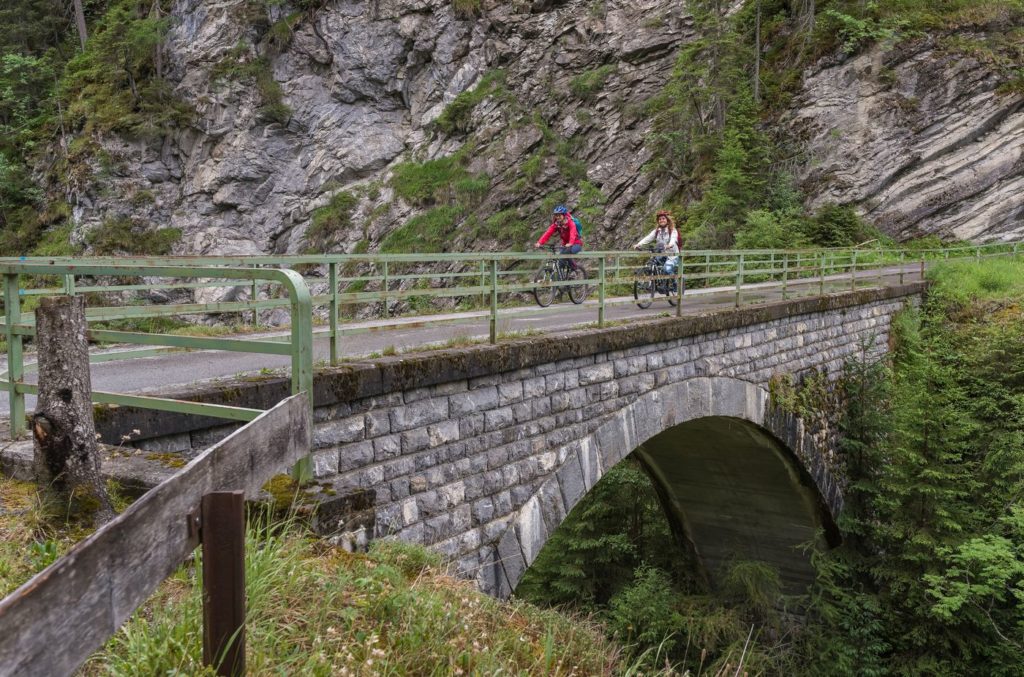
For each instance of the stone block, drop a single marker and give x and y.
(418, 414)
(554, 383)
(325, 463)
(333, 433)
(498, 419)
(503, 503)
(570, 480)
(483, 511)
(597, 373)
(509, 393)
(377, 423)
(443, 433)
(473, 402)
(415, 440)
(354, 456)
(388, 447)
(399, 467)
(552, 508)
(510, 555)
(534, 387)
(531, 531)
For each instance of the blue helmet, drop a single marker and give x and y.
(561, 209)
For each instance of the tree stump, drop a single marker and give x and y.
(66, 452)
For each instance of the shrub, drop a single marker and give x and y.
(120, 235)
(331, 220)
(587, 85)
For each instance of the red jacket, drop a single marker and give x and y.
(570, 235)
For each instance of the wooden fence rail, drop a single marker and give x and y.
(52, 623)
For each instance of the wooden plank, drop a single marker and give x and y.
(52, 623)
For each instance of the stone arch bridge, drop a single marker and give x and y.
(481, 452)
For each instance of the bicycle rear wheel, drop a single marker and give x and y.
(578, 293)
(643, 289)
(543, 295)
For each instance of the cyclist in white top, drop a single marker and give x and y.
(667, 237)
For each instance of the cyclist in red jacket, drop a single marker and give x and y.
(567, 230)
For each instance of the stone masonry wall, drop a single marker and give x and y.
(451, 465)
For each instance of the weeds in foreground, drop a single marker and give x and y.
(316, 609)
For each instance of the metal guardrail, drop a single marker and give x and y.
(387, 285)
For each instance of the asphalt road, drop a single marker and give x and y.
(152, 374)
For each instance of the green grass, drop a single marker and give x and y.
(987, 280)
(588, 85)
(331, 221)
(121, 235)
(428, 232)
(456, 115)
(317, 610)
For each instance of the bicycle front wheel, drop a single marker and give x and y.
(643, 290)
(578, 292)
(545, 294)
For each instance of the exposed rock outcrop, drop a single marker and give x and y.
(364, 81)
(919, 139)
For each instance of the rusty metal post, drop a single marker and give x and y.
(223, 536)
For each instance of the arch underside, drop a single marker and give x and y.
(736, 494)
(731, 488)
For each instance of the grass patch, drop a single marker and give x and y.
(429, 232)
(456, 115)
(122, 235)
(314, 609)
(963, 282)
(36, 528)
(586, 86)
(428, 183)
(330, 221)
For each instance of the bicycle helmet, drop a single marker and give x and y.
(561, 209)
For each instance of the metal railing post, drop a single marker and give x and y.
(333, 311)
(494, 301)
(254, 296)
(679, 284)
(903, 257)
(384, 286)
(821, 276)
(853, 272)
(483, 283)
(301, 306)
(69, 285)
(15, 366)
(739, 279)
(601, 291)
(785, 275)
(922, 267)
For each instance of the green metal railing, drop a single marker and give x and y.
(386, 287)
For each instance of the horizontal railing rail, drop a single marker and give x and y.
(18, 325)
(336, 295)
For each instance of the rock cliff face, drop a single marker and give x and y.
(920, 140)
(364, 82)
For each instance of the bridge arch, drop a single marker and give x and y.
(737, 478)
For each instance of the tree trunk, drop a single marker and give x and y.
(757, 55)
(80, 22)
(66, 452)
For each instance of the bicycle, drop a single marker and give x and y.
(559, 270)
(652, 280)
